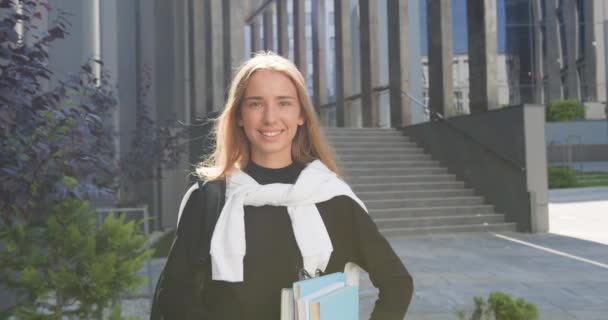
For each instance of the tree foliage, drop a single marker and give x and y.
(54, 143)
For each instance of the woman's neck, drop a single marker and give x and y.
(272, 162)
(264, 175)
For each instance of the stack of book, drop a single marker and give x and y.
(322, 298)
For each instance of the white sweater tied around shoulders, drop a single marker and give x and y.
(316, 183)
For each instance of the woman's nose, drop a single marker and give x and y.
(270, 114)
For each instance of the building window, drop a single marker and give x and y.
(331, 19)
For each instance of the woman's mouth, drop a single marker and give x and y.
(271, 135)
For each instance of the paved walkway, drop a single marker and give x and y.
(566, 277)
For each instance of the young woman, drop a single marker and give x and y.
(286, 209)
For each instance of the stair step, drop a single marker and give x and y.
(414, 194)
(358, 138)
(432, 211)
(387, 152)
(373, 144)
(390, 164)
(393, 171)
(360, 131)
(494, 227)
(405, 190)
(406, 186)
(422, 222)
(373, 157)
(425, 202)
(401, 179)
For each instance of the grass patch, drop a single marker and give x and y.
(592, 179)
(564, 177)
(163, 245)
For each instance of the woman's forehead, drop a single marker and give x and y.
(270, 83)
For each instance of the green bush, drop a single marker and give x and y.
(561, 177)
(501, 306)
(565, 110)
(66, 266)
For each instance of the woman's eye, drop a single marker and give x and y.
(255, 104)
(284, 103)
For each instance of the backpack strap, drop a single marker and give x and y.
(213, 198)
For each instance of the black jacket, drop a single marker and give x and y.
(181, 288)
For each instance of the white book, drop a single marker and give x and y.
(287, 312)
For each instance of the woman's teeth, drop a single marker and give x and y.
(271, 134)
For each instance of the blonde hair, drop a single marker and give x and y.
(232, 148)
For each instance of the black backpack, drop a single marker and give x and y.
(198, 259)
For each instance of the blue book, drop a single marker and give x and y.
(340, 304)
(305, 287)
(328, 292)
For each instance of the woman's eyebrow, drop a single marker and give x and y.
(285, 97)
(254, 98)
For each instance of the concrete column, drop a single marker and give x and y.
(109, 54)
(126, 13)
(175, 181)
(439, 22)
(91, 33)
(319, 62)
(237, 35)
(343, 58)
(536, 166)
(537, 54)
(282, 24)
(256, 43)
(146, 49)
(369, 63)
(146, 68)
(569, 14)
(591, 63)
(180, 46)
(551, 65)
(227, 36)
(201, 54)
(299, 34)
(217, 54)
(481, 25)
(401, 108)
(268, 29)
(606, 62)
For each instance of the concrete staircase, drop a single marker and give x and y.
(404, 189)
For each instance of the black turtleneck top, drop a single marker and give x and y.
(273, 257)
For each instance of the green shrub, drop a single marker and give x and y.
(65, 266)
(561, 177)
(501, 306)
(565, 110)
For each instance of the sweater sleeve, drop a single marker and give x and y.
(178, 283)
(386, 271)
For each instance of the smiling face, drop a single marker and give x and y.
(270, 114)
